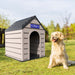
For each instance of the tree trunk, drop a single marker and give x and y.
(0, 38)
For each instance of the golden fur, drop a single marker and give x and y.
(58, 54)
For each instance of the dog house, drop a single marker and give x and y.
(25, 39)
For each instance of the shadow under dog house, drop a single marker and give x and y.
(25, 39)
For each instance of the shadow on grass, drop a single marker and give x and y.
(72, 65)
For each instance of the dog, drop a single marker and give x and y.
(58, 54)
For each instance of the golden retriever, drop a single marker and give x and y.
(58, 54)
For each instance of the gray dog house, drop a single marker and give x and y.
(25, 39)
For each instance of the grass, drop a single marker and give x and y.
(9, 66)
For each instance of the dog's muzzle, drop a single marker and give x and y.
(55, 39)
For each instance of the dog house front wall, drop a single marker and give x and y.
(13, 44)
(34, 21)
(26, 40)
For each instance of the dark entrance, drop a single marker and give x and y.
(0, 38)
(34, 43)
(2, 31)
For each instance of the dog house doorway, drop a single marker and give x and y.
(34, 44)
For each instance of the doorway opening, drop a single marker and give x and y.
(34, 44)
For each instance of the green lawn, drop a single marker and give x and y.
(9, 66)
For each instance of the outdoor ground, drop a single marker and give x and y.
(9, 66)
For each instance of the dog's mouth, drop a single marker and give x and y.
(55, 40)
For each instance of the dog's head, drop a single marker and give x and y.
(57, 36)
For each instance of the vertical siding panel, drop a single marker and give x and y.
(42, 36)
(26, 44)
(22, 36)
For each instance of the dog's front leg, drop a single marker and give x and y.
(50, 62)
(65, 65)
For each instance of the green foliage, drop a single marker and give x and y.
(72, 31)
(9, 66)
(57, 28)
(4, 22)
(51, 28)
(68, 31)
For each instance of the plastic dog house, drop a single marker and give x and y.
(25, 39)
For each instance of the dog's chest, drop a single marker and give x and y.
(57, 49)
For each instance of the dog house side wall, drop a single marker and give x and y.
(26, 36)
(42, 38)
(13, 44)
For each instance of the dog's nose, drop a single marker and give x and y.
(52, 37)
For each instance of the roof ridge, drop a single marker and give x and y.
(30, 19)
(25, 18)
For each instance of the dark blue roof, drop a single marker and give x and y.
(21, 24)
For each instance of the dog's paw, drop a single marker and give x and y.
(65, 67)
(49, 66)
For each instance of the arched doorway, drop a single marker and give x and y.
(34, 44)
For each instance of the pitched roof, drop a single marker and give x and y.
(22, 23)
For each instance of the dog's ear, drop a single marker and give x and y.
(61, 36)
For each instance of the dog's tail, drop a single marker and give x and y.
(71, 62)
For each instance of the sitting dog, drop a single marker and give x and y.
(58, 54)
